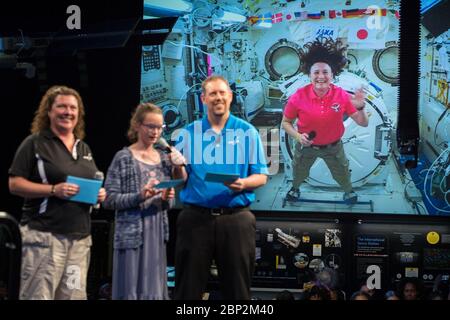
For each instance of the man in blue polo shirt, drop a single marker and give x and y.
(216, 222)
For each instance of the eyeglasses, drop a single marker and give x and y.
(153, 126)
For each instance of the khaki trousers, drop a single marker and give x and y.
(334, 158)
(54, 267)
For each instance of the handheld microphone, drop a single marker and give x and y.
(311, 136)
(163, 145)
(98, 176)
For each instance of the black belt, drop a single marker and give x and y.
(324, 146)
(217, 211)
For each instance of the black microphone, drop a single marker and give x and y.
(312, 135)
(163, 145)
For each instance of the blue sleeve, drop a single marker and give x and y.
(257, 156)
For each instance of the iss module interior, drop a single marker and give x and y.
(256, 45)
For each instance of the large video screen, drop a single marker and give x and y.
(257, 46)
(433, 173)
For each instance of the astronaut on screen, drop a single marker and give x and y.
(318, 108)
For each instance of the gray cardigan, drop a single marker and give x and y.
(122, 186)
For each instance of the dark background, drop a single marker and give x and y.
(107, 79)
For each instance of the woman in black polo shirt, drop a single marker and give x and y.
(55, 231)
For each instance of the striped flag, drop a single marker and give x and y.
(317, 15)
(295, 16)
(303, 15)
(352, 13)
(374, 11)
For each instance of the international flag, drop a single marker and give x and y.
(373, 11)
(339, 14)
(277, 17)
(288, 16)
(360, 36)
(295, 16)
(352, 13)
(317, 15)
(264, 20)
(333, 14)
(266, 17)
(303, 15)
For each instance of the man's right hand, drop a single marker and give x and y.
(302, 138)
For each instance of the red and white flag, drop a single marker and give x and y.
(289, 16)
(277, 17)
(361, 36)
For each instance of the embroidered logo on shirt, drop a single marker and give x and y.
(88, 157)
(336, 107)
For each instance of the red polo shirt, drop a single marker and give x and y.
(322, 115)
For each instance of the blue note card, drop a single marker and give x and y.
(220, 177)
(169, 184)
(88, 189)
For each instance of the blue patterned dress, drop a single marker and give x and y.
(141, 229)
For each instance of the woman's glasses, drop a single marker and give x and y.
(150, 126)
